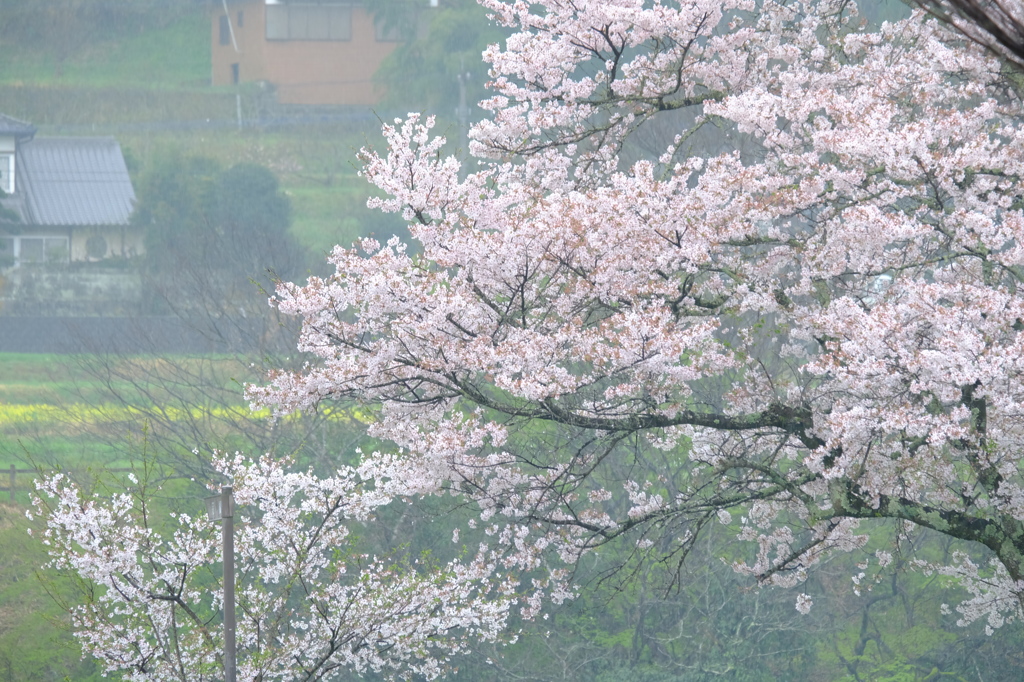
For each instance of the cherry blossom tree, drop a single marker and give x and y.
(803, 314)
(800, 317)
(310, 606)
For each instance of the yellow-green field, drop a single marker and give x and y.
(67, 411)
(89, 411)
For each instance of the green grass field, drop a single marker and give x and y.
(173, 56)
(86, 412)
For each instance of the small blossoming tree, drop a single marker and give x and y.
(310, 607)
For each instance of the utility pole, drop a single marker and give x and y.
(462, 115)
(222, 508)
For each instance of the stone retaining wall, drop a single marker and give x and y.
(47, 291)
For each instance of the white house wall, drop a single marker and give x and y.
(7, 149)
(121, 242)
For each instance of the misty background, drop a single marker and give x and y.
(126, 345)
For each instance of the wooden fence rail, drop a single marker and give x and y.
(12, 485)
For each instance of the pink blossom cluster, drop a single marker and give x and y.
(801, 303)
(310, 606)
(713, 256)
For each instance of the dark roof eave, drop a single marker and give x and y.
(19, 129)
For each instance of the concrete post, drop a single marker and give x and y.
(228, 537)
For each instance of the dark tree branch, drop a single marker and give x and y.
(995, 24)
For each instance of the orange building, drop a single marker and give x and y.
(311, 52)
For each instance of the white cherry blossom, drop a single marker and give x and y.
(805, 307)
(801, 305)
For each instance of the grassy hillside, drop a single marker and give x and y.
(159, 57)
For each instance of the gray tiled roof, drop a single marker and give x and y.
(12, 126)
(74, 181)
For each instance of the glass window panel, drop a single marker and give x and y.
(5, 173)
(32, 250)
(277, 22)
(340, 22)
(298, 22)
(319, 20)
(225, 31)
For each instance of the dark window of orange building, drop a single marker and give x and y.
(225, 30)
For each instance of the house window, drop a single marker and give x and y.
(307, 21)
(277, 22)
(225, 30)
(7, 173)
(33, 250)
(234, 73)
(22, 250)
(241, 19)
